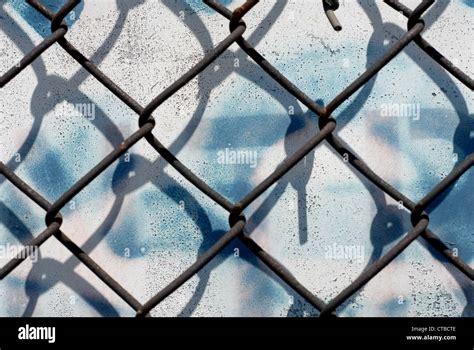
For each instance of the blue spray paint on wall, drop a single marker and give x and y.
(40, 23)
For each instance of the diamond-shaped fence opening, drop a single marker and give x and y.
(237, 220)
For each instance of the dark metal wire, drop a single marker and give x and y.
(237, 221)
(330, 6)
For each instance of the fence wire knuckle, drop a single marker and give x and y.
(237, 221)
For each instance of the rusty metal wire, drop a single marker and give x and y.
(237, 221)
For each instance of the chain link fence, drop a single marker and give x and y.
(237, 220)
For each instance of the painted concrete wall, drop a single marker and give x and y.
(144, 224)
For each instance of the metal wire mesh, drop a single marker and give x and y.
(237, 220)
